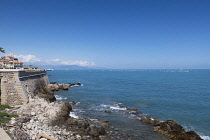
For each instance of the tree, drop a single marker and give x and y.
(2, 50)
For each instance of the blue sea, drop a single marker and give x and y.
(180, 95)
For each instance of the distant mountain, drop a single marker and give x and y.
(65, 67)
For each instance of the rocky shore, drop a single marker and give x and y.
(172, 129)
(42, 118)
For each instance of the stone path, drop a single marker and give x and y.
(4, 135)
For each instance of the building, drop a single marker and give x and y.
(10, 62)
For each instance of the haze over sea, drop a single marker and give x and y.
(180, 95)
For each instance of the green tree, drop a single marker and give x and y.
(2, 50)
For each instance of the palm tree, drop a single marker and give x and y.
(2, 50)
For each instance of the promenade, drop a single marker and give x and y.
(4, 135)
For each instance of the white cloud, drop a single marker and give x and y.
(34, 59)
(28, 58)
(70, 62)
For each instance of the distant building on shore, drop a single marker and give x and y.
(10, 62)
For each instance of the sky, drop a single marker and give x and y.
(116, 34)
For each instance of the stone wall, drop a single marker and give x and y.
(17, 85)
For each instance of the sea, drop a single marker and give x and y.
(180, 94)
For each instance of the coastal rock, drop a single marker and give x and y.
(170, 128)
(73, 103)
(65, 86)
(133, 111)
(108, 111)
(47, 94)
(191, 135)
(62, 113)
(176, 131)
(75, 84)
(94, 131)
(39, 116)
(150, 120)
(104, 122)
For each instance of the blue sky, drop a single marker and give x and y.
(132, 34)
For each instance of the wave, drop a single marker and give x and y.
(205, 137)
(77, 85)
(60, 97)
(73, 115)
(116, 106)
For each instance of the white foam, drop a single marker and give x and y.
(75, 85)
(60, 98)
(117, 108)
(106, 106)
(73, 115)
(205, 137)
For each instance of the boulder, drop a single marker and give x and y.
(73, 103)
(150, 120)
(176, 131)
(47, 93)
(62, 113)
(108, 111)
(170, 128)
(79, 84)
(191, 135)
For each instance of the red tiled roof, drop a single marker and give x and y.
(14, 62)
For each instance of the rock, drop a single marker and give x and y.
(130, 109)
(79, 84)
(150, 120)
(133, 111)
(108, 111)
(170, 127)
(73, 103)
(176, 131)
(42, 139)
(47, 94)
(102, 131)
(12, 120)
(62, 113)
(29, 126)
(104, 122)
(94, 131)
(33, 113)
(64, 86)
(21, 135)
(191, 135)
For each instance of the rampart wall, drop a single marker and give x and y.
(17, 85)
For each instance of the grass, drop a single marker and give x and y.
(4, 116)
(3, 107)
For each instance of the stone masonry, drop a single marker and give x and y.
(17, 85)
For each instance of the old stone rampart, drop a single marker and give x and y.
(17, 85)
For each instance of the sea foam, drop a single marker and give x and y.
(73, 115)
(60, 97)
(117, 108)
(205, 137)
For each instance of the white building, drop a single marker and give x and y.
(10, 62)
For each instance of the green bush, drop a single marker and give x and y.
(3, 107)
(4, 116)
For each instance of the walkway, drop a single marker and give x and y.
(4, 135)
